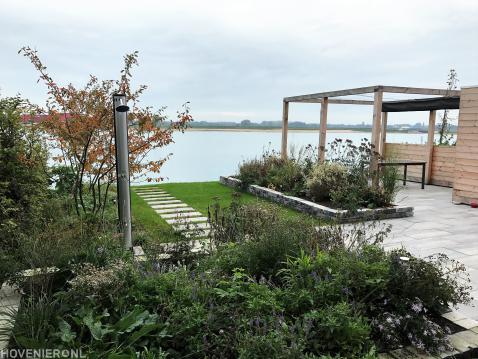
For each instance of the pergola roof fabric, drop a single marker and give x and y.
(422, 104)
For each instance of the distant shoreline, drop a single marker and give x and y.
(335, 130)
(264, 130)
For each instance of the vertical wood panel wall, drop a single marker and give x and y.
(443, 165)
(465, 184)
(443, 162)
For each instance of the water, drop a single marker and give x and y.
(206, 155)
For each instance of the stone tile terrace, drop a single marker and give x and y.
(439, 226)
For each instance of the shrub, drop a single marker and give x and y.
(286, 176)
(324, 179)
(23, 180)
(252, 172)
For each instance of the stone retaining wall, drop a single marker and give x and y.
(318, 210)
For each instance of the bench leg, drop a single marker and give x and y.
(404, 175)
(423, 176)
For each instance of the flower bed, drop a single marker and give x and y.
(319, 210)
(345, 185)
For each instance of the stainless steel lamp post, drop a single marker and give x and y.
(122, 167)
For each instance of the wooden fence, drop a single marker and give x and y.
(465, 185)
(443, 161)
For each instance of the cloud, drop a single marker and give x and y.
(231, 58)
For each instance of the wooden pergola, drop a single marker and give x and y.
(444, 99)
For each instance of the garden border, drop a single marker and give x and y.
(318, 210)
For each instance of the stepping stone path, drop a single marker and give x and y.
(183, 218)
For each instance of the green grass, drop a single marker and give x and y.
(198, 195)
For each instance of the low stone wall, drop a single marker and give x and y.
(318, 210)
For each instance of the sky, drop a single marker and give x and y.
(236, 60)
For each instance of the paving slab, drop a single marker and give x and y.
(169, 201)
(168, 205)
(175, 210)
(153, 194)
(428, 233)
(156, 196)
(160, 199)
(184, 214)
(148, 190)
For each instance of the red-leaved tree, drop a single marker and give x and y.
(80, 123)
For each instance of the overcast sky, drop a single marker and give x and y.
(236, 60)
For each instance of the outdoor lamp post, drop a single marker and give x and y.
(122, 167)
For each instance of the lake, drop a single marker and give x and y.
(206, 155)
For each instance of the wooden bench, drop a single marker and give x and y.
(405, 164)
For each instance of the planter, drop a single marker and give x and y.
(321, 211)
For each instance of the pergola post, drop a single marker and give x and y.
(430, 143)
(323, 128)
(285, 128)
(376, 124)
(383, 135)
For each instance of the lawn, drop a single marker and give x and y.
(198, 195)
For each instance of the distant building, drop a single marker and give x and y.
(35, 119)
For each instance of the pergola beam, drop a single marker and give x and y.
(420, 91)
(348, 92)
(338, 101)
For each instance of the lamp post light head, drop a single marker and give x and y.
(122, 108)
(120, 99)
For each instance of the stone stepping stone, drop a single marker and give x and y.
(151, 193)
(169, 205)
(148, 190)
(196, 234)
(199, 245)
(180, 215)
(161, 195)
(159, 199)
(138, 254)
(191, 227)
(186, 220)
(169, 201)
(174, 210)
